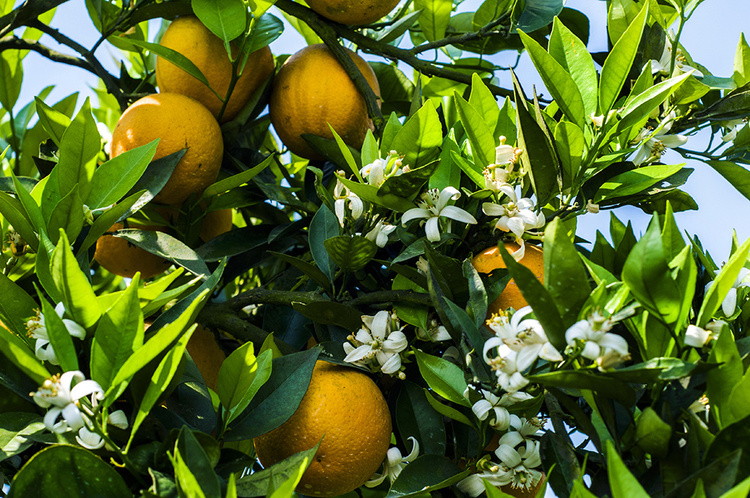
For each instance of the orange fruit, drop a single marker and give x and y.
(122, 258)
(207, 355)
(346, 407)
(180, 122)
(215, 223)
(511, 297)
(353, 12)
(312, 90)
(191, 38)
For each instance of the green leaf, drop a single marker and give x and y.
(565, 275)
(570, 144)
(157, 175)
(635, 181)
(197, 461)
(12, 210)
(538, 156)
(445, 410)
(371, 193)
(580, 379)
(265, 30)
(118, 334)
(105, 221)
(621, 481)
(420, 138)
(20, 354)
(167, 247)
(16, 306)
(443, 377)
(308, 269)
(17, 431)
(115, 178)
(425, 474)
(408, 184)
(54, 122)
(323, 226)
(557, 80)
(741, 74)
(479, 133)
(33, 213)
(174, 57)
(434, 18)
(63, 470)
(567, 49)
(648, 276)
(643, 104)
(234, 181)
(351, 253)
(722, 283)
(11, 78)
(224, 18)
(538, 14)
(240, 377)
(278, 398)
(187, 482)
(73, 285)
(735, 174)
(67, 215)
(160, 380)
(79, 147)
(447, 172)
(257, 483)
(619, 61)
(165, 336)
(721, 381)
(539, 298)
(59, 338)
(484, 101)
(415, 417)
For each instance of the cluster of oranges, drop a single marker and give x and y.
(311, 93)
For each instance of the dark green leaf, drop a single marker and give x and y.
(351, 253)
(416, 418)
(224, 18)
(579, 379)
(258, 483)
(198, 462)
(443, 377)
(426, 473)
(59, 338)
(324, 225)
(278, 398)
(70, 471)
(166, 246)
(17, 431)
(308, 269)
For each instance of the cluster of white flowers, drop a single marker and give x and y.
(63, 395)
(37, 329)
(516, 345)
(378, 344)
(680, 63)
(519, 459)
(654, 143)
(394, 463)
(595, 341)
(344, 198)
(494, 408)
(378, 171)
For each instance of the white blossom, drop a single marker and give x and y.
(696, 336)
(380, 232)
(655, 143)
(505, 366)
(37, 329)
(729, 304)
(434, 332)
(598, 343)
(681, 66)
(526, 337)
(495, 408)
(378, 343)
(343, 198)
(515, 215)
(434, 206)
(378, 171)
(394, 464)
(62, 395)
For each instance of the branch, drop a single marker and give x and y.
(29, 11)
(15, 43)
(484, 32)
(328, 35)
(110, 81)
(218, 317)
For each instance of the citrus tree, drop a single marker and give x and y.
(354, 270)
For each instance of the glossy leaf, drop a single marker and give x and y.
(567, 49)
(443, 377)
(420, 137)
(64, 470)
(324, 226)
(74, 287)
(415, 417)
(722, 283)
(198, 462)
(225, 18)
(619, 61)
(21, 355)
(17, 431)
(434, 17)
(166, 246)
(16, 306)
(564, 272)
(426, 473)
(621, 481)
(278, 398)
(557, 80)
(240, 377)
(570, 142)
(351, 253)
(59, 338)
(53, 121)
(114, 179)
(79, 146)
(257, 483)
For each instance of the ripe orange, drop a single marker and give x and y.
(354, 12)
(180, 122)
(191, 38)
(312, 90)
(122, 258)
(490, 259)
(215, 223)
(346, 407)
(207, 355)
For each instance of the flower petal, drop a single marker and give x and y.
(458, 214)
(413, 214)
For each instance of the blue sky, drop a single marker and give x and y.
(710, 37)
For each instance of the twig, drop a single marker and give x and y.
(13, 42)
(29, 11)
